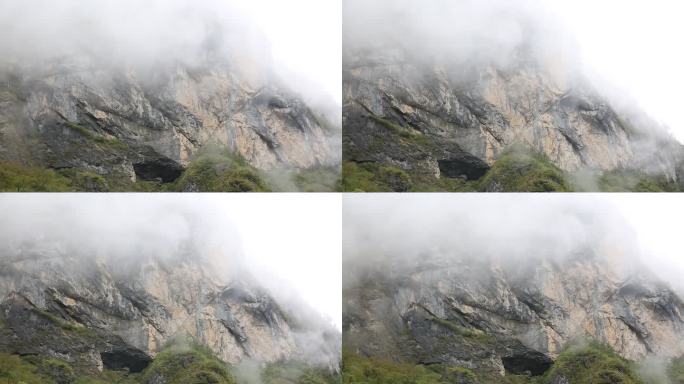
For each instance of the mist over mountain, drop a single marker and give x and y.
(128, 287)
(504, 289)
(121, 95)
(435, 95)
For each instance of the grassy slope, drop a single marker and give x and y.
(591, 363)
(521, 170)
(518, 169)
(216, 172)
(190, 364)
(209, 172)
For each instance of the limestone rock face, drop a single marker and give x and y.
(462, 110)
(106, 313)
(131, 121)
(496, 316)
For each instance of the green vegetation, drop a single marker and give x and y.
(60, 371)
(214, 172)
(519, 169)
(13, 369)
(18, 178)
(632, 181)
(38, 370)
(207, 173)
(371, 177)
(86, 181)
(593, 363)
(406, 133)
(325, 179)
(296, 373)
(192, 364)
(104, 141)
(181, 362)
(462, 331)
(675, 371)
(358, 369)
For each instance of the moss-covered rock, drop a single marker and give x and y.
(218, 172)
(520, 169)
(187, 364)
(592, 363)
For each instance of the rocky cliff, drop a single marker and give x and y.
(437, 118)
(128, 123)
(96, 314)
(495, 318)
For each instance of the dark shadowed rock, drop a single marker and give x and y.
(132, 359)
(159, 168)
(469, 167)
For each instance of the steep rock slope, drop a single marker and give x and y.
(117, 315)
(497, 318)
(130, 124)
(437, 118)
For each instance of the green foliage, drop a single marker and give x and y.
(372, 177)
(444, 184)
(34, 369)
(594, 363)
(58, 370)
(325, 179)
(462, 331)
(676, 371)
(406, 133)
(520, 169)
(296, 373)
(370, 370)
(107, 142)
(214, 172)
(86, 181)
(18, 178)
(108, 377)
(632, 181)
(15, 370)
(192, 364)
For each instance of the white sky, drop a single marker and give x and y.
(306, 36)
(637, 45)
(298, 238)
(290, 242)
(657, 220)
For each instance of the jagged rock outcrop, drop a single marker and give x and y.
(421, 111)
(118, 314)
(496, 316)
(139, 123)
